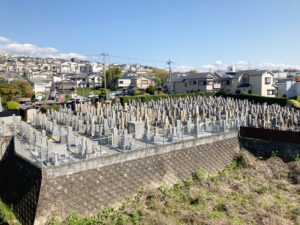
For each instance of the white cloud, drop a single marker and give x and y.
(279, 66)
(241, 63)
(219, 62)
(4, 39)
(71, 55)
(33, 50)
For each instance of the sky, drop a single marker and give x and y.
(194, 34)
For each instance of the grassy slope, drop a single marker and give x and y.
(249, 191)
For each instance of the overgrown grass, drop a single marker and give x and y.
(6, 215)
(248, 191)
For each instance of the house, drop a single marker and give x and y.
(225, 79)
(65, 86)
(286, 87)
(260, 82)
(168, 85)
(124, 82)
(42, 84)
(289, 87)
(86, 80)
(141, 82)
(198, 82)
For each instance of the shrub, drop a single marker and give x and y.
(45, 108)
(12, 105)
(137, 92)
(151, 90)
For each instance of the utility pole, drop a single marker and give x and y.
(104, 55)
(169, 64)
(170, 78)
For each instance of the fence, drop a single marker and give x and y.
(270, 135)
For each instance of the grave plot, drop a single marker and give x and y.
(66, 136)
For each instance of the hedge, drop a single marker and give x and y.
(147, 98)
(257, 98)
(12, 105)
(44, 108)
(253, 98)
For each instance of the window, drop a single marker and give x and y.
(204, 82)
(238, 92)
(121, 82)
(268, 80)
(144, 82)
(270, 92)
(185, 84)
(249, 92)
(195, 82)
(245, 80)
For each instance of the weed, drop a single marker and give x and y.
(199, 175)
(275, 154)
(296, 158)
(54, 221)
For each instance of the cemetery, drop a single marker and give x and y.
(90, 131)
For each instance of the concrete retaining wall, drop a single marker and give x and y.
(286, 151)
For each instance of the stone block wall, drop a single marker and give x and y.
(88, 191)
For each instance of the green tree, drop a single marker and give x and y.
(192, 71)
(162, 74)
(158, 81)
(151, 90)
(112, 75)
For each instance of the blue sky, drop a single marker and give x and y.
(192, 33)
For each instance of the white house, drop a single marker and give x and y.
(259, 82)
(288, 87)
(124, 82)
